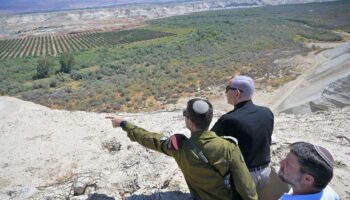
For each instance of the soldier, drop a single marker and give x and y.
(213, 167)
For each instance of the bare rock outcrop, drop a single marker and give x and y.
(326, 87)
(335, 95)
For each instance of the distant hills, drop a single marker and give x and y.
(20, 6)
(25, 6)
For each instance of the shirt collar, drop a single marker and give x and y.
(201, 134)
(243, 103)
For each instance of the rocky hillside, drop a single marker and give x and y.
(336, 94)
(56, 154)
(279, 2)
(325, 86)
(114, 18)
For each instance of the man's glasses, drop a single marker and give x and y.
(231, 88)
(184, 113)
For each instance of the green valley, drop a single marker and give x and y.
(146, 68)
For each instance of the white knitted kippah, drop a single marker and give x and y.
(200, 107)
(324, 155)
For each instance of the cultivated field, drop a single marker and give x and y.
(56, 44)
(141, 70)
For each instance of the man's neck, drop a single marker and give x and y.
(196, 131)
(304, 190)
(241, 101)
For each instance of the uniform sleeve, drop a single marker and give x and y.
(148, 139)
(241, 177)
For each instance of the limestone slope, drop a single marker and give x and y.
(325, 86)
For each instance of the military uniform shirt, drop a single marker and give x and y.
(205, 180)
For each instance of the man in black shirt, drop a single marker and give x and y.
(252, 125)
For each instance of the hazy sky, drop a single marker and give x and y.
(47, 5)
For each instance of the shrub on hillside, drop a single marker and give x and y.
(43, 68)
(67, 62)
(53, 83)
(76, 75)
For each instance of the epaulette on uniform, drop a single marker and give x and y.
(231, 139)
(175, 141)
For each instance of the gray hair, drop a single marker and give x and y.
(245, 84)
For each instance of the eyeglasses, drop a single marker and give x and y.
(231, 88)
(184, 113)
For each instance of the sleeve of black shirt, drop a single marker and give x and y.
(218, 127)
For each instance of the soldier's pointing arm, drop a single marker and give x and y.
(147, 139)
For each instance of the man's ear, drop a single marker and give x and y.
(238, 94)
(308, 179)
(190, 123)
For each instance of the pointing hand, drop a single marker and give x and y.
(115, 120)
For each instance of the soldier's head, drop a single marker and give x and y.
(198, 114)
(307, 168)
(239, 88)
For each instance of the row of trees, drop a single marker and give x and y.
(48, 45)
(53, 45)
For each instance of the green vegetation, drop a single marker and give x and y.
(134, 73)
(66, 61)
(43, 68)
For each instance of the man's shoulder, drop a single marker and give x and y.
(230, 115)
(218, 142)
(230, 139)
(175, 141)
(326, 194)
(329, 194)
(264, 109)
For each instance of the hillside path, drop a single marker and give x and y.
(289, 88)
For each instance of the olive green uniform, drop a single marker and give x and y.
(205, 180)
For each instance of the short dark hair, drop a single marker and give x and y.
(201, 119)
(313, 163)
